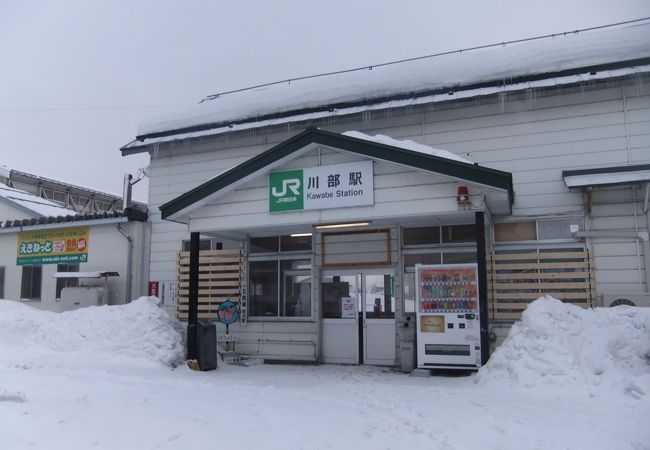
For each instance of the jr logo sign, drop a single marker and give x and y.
(321, 187)
(286, 190)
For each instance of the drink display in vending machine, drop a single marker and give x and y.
(448, 321)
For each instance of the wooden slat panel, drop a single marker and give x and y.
(210, 269)
(201, 315)
(516, 279)
(209, 292)
(539, 256)
(541, 266)
(212, 260)
(508, 306)
(185, 276)
(185, 301)
(213, 307)
(227, 252)
(219, 280)
(511, 317)
(542, 286)
(541, 276)
(206, 283)
(536, 295)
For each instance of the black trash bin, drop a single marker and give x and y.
(206, 336)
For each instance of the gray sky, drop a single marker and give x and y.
(78, 76)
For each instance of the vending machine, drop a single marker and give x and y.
(448, 320)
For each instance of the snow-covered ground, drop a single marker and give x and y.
(104, 378)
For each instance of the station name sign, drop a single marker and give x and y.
(335, 186)
(60, 246)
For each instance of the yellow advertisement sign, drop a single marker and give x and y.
(60, 246)
(432, 324)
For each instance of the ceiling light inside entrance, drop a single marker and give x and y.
(341, 225)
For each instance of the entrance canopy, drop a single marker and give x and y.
(607, 176)
(409, 180)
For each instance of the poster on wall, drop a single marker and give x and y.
(348, 308)
(59, 246)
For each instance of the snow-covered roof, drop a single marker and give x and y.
(547, 62)
(408, 145)
(32, 205)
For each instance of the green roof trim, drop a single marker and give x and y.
(397, 155)
(604, 170)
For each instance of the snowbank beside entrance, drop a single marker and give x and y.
(555, 343)
(140, 330)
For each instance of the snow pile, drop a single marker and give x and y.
(138, 330)
(555, 343)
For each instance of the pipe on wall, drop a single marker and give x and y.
(129, 262)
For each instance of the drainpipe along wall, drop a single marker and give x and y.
(129, 262)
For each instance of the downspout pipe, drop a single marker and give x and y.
(644, 236)
(129, 262)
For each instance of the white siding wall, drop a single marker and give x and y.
(107, 250)
(398, 191)
(533, 136)
(619, 261)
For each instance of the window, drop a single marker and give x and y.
(66, 282)
(447, 234)
(265, 244)
(539, 230)
(421, 236)
(30, 288)
(274, 244)
(280, 288)
(280, 281)
(458, 233)
(447, 244)
(517, 231)
(204, 244)
(2, 282)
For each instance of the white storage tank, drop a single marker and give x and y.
(90, 293)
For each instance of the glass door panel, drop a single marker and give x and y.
(379, 296)
(340, 295)
(379, 327)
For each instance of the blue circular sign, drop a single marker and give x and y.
(228, 312)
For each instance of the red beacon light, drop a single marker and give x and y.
(462, 197)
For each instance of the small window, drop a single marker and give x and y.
(558, 229)
(515, 231)
(421, 258)
(452, 234)
(421, 236)
(30, 288)
(66, 282)
(295, 243)
(2, 282)
(204, 244)
(265, 244)
(459, 258)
